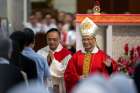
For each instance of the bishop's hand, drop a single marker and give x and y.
(108, 62)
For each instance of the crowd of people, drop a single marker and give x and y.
(57, 67)
(41, 22)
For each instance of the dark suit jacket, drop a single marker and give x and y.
(25, 64)
(10, 76)
(136, 77)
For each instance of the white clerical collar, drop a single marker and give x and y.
(59, 48)
(95, 50)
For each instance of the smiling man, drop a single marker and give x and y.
(58, 58)
(89, 60)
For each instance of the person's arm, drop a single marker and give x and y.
(110, 65)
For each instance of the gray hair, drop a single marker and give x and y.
(5, 46)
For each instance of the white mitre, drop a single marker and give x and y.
(88, 27)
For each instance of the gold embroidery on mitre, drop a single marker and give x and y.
(86, 65)
(87, 25)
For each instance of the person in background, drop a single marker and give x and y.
(122, 83)
(67, 21)
(94, 84)
(33, 87)
(10, 75)
(117, 83)
(42, 66)
(24, 63)
(39, 16)
(71, 38)
(58, 58)
(89, 59)
(33, 24)
(60, 16)
(48, 23)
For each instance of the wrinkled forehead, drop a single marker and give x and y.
(88, 37)
(53, 35)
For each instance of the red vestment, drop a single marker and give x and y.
(57, 66)
(74, 69)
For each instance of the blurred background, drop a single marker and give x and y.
(17, 11)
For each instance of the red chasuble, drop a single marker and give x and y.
(57, 66)
(75, 68)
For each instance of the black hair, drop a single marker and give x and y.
(29, 36)
(18, 39)
(54, 30)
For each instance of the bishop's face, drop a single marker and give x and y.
(88, 42)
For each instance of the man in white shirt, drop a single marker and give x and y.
(33, 24)
(48, 23)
